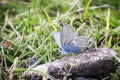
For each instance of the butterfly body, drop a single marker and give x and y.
(69, 41)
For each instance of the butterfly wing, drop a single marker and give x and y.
(78, 44)
(56, 36)
(70, 40)
(81, 43)
(67, 34)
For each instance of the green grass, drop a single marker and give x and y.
(28, 27)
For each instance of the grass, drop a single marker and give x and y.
(26, 30)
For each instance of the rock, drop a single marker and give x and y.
(91, 63)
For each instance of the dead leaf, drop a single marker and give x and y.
(6, 44)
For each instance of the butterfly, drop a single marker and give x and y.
(69, 41)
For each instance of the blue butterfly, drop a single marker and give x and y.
(69, 41)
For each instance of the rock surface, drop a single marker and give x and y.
(91, 63)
